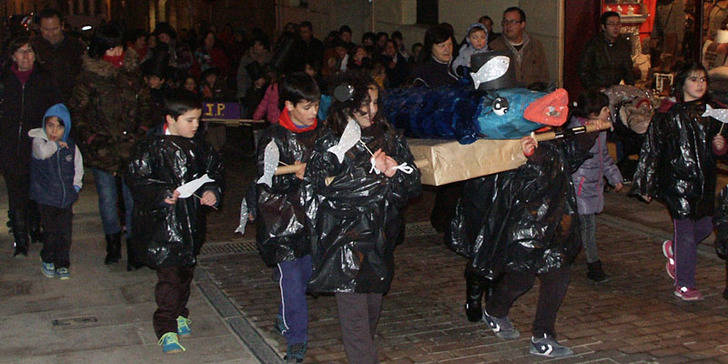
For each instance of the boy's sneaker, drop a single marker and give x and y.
(183, 326)
(48, 269)
(688, 294)
(548, 346)
(170, 343)
(668, 252)
(502, 327)
(295, 353)
(279, 325)
(63, 273)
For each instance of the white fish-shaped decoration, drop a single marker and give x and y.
(718, 114)
(491, 70)
(349, 138)
(189, 188)
(271, 157)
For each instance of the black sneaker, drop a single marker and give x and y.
(596, 273)
(548, 346)
(295, 353)
(502, 327)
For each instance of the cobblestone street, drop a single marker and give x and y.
(632, 318)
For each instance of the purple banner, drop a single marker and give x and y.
(220, 110)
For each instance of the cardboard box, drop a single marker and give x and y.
(446, 161)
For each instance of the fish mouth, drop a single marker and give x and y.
(551, 109)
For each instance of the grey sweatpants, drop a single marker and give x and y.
(358, 316)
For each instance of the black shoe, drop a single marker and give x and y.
(596, 273)
(113, 248)
(20, 250)
(132, 261)
(474, 311)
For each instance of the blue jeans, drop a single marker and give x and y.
(108, 198)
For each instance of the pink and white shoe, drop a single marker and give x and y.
(669, 254)
(688, 294)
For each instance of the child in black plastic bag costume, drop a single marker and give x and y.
(172, 226)
(359, 200)
(521, 224)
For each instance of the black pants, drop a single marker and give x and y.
(171, 293)
(24, 211)
(551, 293)
(57, 224)
(358, 316)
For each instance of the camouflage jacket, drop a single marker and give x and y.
(111, 110)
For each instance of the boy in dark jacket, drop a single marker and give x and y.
(283, 229)
(168, 221)
(56, 174)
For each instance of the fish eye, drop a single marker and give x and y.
(500, 106)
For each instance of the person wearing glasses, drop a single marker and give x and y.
(607, 57)
(532, 70)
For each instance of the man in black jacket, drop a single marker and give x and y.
(607, 57)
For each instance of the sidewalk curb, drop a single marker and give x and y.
(234, 318)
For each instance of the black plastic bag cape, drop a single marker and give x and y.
(359, 214)
(171, 234)
(677, 164)
(281, 222)
(522, 220)
(720, 222)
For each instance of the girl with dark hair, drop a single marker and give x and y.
(434, 68)
(677, 166)
(26, 92)
(112, 110)
(360, 195)
(589, 178)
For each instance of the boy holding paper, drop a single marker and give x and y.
(171, 226)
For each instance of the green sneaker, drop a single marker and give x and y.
(63, 273)
(170, 343)
(183, 326)
(48, 269)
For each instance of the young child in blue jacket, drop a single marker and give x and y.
(56, 173)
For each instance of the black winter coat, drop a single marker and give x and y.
(523, 220)
(677, 164)
(21, 109)
(283, 231)
(358, 215)
(604, 64)
(172, 234)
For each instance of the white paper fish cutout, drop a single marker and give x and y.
(189, 188)
(244, 213)
(719, 114)
(271, 158)
(349, 138)
(491, 70)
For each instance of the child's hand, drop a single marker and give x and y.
(618, 187)
(719, 143)
(172, 200)
(63, 144)
(391, 166)
(208, 198)
(380, 162)
(529, 145)
(302, 171)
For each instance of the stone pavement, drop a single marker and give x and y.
(632, 318)
(103, 313)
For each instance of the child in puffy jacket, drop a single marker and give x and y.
(589, 179)
(56, 174)
(475, 42)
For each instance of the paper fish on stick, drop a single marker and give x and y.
(271, 157)
(718, 114)
(493, 69)
(349, 138)
(189, 188)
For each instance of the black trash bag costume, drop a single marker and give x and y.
(359, 213)
(677, 164)
(720, 221)
(283, 227)
(523, 220)
(172, 235)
